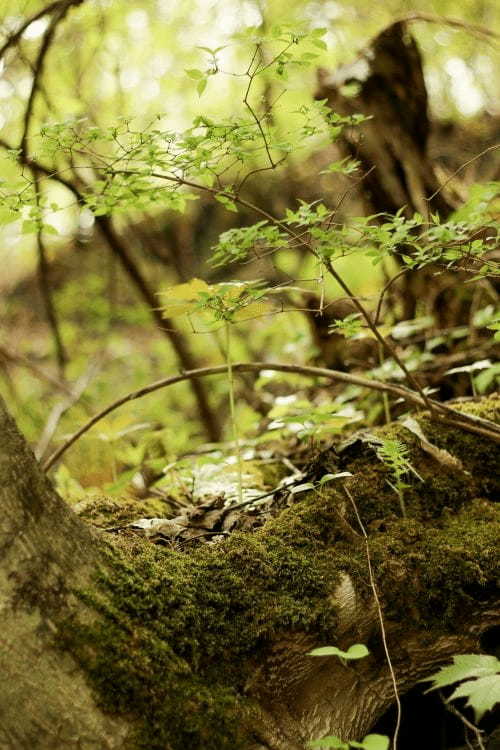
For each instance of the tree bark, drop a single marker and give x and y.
(386, 83)
(45, 550)
(112, 641)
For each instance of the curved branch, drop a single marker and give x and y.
(457, 23)
(63, 5)
(382, 294)
(438, 410)
(465, 421)
(429, 403)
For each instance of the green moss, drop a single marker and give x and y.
(443, 488)
(178, 636)
(437, 574)
(480, 456)
(104, 512)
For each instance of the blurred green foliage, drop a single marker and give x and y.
(118, 84)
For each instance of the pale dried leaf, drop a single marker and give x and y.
(441, 455)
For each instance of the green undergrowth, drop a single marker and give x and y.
(174, 638)
(444, 488)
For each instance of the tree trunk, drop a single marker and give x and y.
(45, 551)
(113, 641)
(386, 83)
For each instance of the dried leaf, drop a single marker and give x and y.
(440, 454)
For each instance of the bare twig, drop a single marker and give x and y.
(378, 605)
(258, 122)
(310, 247)
(465, 421)
(61, 408)
(457, 23)
(208, 416)
(465, 164)
(18, 359)
(59, 13)
(465, 721)
(382, 341)
(382, 293)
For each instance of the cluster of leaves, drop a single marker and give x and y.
(141, 166)
(211, 305)
(478, 676)
(310, 420)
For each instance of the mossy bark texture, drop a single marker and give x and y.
(45, 699)
(165, 648)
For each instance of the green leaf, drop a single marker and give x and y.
(30, 226)
(49, 229)
(7, 216)
(183, 298)
(464, 667)
(373, 742)
(195, 74)
(332, 742)
(320, 31)
(227, 202)
(201, 86)
(357, 651)
(482, 694)
(319, 43)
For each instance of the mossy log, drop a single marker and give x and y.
(125, 644)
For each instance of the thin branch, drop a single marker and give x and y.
(383, 341)
(46, 291)
(208, 416)
(465, 721)
(61, 408)
(327, 262)
(49, 9)
(59, 14)
(334, 375)
(258, 122)
(39, 373)
(466, 421)
(382, 293)
(457, 23)
(457, 171)
(378, 605)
